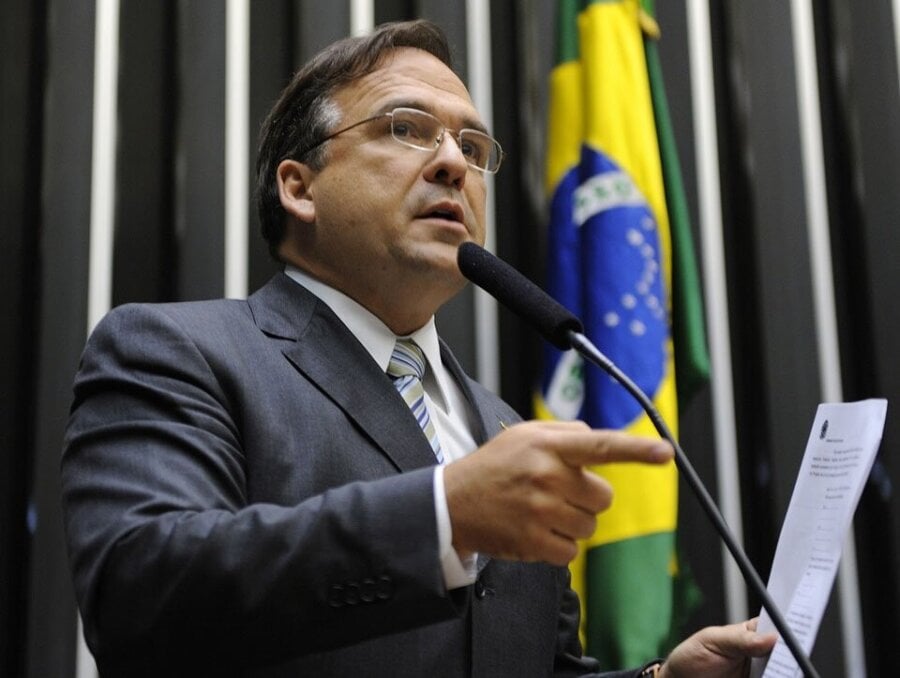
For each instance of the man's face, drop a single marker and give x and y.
(388, 219)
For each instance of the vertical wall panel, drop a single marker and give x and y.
(785, 357)
(394, 10)
(237, 148)
(454, 320)
(200, 150)
(144, 256)
(697, 538)
(823, 292)
(22, 26)
(742, 273)
(451, 16)
(480, 62)
(318, 25)
(519, 220)
(863, 146)
(271, 66)
(63, 255)
(781, 247)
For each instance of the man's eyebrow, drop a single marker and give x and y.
(468, 123)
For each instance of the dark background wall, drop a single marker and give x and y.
(169, 244)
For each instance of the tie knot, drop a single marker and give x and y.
(407, 360)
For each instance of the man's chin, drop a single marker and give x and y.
(441, 272)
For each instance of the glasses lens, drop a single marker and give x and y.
(481, 151)
(419, 129)
(415, 128)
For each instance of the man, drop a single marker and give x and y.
(247, 491)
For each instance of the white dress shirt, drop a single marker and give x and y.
(447, 406)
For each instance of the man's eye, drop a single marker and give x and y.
(406, 130)
(471, 151)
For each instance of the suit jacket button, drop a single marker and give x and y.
(336, 596)
(479, 589)
(367, 590)
(351, 593)
(384, 587)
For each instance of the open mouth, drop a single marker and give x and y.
(448, 212)
(442, 214)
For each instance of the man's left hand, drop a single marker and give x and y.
(718, 652)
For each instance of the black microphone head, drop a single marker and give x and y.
(512, 289)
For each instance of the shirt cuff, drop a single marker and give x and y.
(457, 572)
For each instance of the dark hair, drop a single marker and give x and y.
(305, 111)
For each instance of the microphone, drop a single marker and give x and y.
(562, 329)
(512, 289)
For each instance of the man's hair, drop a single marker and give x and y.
(305, 112)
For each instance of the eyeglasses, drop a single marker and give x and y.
(422, 131)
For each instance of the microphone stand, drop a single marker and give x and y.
(590, 352)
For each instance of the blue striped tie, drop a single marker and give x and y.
(407, 368)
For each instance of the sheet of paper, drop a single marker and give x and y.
(836, 463)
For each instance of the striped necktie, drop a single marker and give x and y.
(407, 369)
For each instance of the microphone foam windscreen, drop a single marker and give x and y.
(518, 293)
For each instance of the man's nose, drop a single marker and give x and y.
(448, 164)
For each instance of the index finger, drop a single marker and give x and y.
(585, 448)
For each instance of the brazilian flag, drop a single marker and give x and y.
(618, 223)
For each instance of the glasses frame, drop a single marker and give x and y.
(455, 134)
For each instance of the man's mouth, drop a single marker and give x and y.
(447, 211)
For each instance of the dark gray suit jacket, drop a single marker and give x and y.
(245, 493)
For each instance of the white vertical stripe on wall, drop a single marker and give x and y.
(237, 146)
(103, 201)
(715, 290)
(362, 16)
(478, 42)
(103, 160)
(816, 201)
(896, 13)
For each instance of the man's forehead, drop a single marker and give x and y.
(410, 77)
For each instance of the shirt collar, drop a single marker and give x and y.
(374, 335)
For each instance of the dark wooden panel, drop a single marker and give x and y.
(65, 221)
(22, 26)
(200, 150)
(318, 25)
(271, 66)
(776, 356)
(145, 265)
(455, 319)
(394, 10)
(862, 145)
(451, 17)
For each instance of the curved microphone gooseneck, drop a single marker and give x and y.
(562, 329)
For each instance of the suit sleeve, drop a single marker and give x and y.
(171, 561)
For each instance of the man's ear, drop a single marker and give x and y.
(294, 180)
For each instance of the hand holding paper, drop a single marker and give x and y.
(837, 461)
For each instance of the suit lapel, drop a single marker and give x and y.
(488, 420)
(321, 347)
